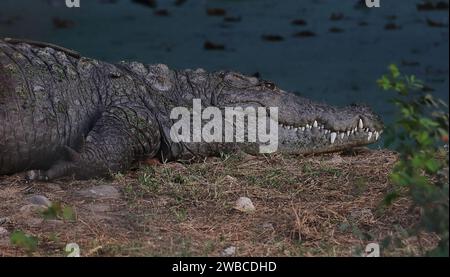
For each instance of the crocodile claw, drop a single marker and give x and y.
(36, 175)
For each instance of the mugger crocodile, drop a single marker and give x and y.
(65, 115)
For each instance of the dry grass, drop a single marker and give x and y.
(329, 205)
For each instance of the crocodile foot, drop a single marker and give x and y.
(36, 175)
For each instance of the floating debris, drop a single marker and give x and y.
(179, 2)
(336, 30)
(162, 12)
(410, 63)
(430, 6)
(208, 45)
(363, 23)
(216, 12)
(272, 38)
(149, 3)
(304, 34)
(337, 16)
(391, 17)
(62, 23)
(392, 26)
(232, 19)
(436, 24)
(299, 22)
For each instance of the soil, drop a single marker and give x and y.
(328, 205)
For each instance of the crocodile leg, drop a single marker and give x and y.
(115, 142)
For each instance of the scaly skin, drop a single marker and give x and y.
(62, 114)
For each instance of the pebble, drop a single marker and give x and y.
(100, 208)
(229, 251)
(32, 209)
(3, 232)
(101, 192)
(34, 221)
(230, 179)
(268, 227)
(244, 204)
(336, 159)
(4, 220)
(40, 200)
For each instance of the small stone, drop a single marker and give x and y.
(32, 209)
(100, 208)
(268, 227)
(230, 179)
(361, 214)
(229, 251)
(3, 232)
(244, 204)
(40, 200)
(176, 166)
(4, 220)
(53, 222)
(102, 192)
(34, 221)
(53, 187)
(336, 159)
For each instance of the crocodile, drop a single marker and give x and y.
(62, 114)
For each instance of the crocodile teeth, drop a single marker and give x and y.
(348, 133)
(315, 124)
(303, 128)
(377, 135)
(370, 136)
(342, 135)
(296, 129)
(360, 124)
(333, 137)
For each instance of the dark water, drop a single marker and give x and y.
(338, 67)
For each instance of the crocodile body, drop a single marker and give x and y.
(62, 114)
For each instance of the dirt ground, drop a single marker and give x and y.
(329, 205)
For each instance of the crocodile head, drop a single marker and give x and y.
(304, 126)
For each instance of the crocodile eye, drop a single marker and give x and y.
(269, 85)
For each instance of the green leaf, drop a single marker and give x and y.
(384, 82)
(57, 211)
(68, 214)
(390, 198)
(20, 239)
(418, 132)
(52, 212)
(395, 72)
(423, 138)
(432, 166)
(400, 87)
